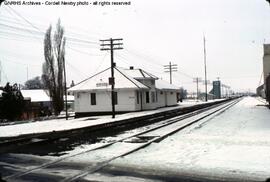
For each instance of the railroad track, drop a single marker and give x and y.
(154, 134)
(10, 144)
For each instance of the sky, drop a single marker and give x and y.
(154, 33)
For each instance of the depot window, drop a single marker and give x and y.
(147, 97)
(93, 99)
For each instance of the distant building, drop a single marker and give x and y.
(266, 70)
(38, 103)
(216, 91)
(136, 90)
(266, 61)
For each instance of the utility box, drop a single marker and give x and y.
(111, 81)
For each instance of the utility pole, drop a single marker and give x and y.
(27, 72)
(111, 45)
(64, 61)
(0, 73)
(197, 80)
(205, 75)
(169, 69)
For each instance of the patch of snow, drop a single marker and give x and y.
(232, 145)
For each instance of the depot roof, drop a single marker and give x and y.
(100, 81)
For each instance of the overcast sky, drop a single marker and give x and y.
(154, 33)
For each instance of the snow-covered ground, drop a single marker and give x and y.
(234, 145)
(62, 124)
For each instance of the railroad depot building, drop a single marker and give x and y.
(135, 90)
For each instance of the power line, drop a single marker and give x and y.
(82, 52)
(35, 27)
(42, 33)
(102, 61)
(39, 34)
(23, 18)
(15, 62)
(85, 37)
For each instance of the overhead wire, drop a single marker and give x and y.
(71, 39)
(40, 32)
(150, 59)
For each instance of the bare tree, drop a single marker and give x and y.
(54, 53)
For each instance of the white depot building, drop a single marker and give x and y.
(136, 90)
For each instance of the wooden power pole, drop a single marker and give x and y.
(197, 80)
(205, 73)
(111, 45)
(169, 69)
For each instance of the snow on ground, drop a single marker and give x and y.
(232, 145)
(62, 124)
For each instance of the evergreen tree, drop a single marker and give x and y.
(11, 102)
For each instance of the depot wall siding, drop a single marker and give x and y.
(138, 104)
(171, 98)
(161, 98)
(150, 105)
(126, 101)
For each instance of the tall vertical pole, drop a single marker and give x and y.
(170, 73)
(111, 47)
(26, 72)
(170, 68)
(65, 88)
(112, 77)
(197, 82)
(0, 72)
(205, 74)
